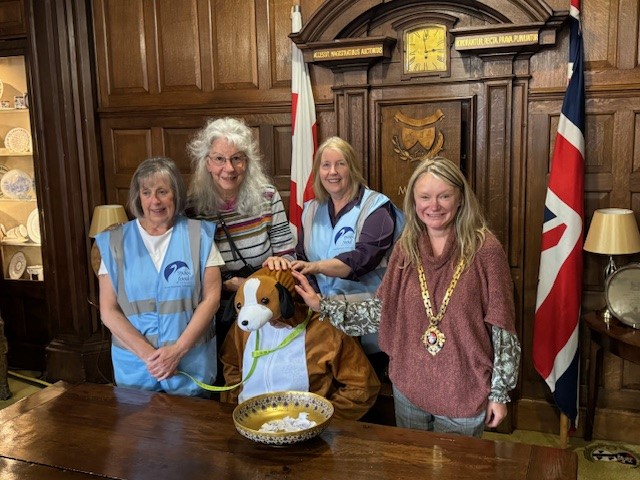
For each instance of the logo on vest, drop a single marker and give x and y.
(177, 273)
(344, 237)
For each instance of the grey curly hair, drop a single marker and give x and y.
(202, 196)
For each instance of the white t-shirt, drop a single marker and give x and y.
(157, 246)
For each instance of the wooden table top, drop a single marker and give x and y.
(615, 329)
(93, 431)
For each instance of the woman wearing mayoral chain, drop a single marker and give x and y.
(445, 310)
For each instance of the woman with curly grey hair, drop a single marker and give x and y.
(229, 187)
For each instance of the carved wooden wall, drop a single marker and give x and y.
(164, 67)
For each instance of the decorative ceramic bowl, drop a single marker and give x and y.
(252, 414)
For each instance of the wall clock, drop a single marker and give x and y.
(426, 49)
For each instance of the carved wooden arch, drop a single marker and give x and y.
(338, 19)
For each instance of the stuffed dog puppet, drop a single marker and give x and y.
(321, 359)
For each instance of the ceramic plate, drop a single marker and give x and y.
(3, 169)
(17, 184)
(33, 226)
(18, 140)
(17, 266)
(1, 88)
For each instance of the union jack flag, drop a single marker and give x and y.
(555, 331)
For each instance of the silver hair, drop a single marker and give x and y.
(203, 197)
(156, 167)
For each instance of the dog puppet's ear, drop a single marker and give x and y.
(287, 308)
(229, 315)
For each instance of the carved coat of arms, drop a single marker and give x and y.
(419, 138)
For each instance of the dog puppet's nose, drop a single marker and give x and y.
(245, 323)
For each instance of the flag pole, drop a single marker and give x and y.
(565, 424)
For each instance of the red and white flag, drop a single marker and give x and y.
(304, 141)
(555, 330)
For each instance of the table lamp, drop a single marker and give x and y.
(103, 217)
(613, 231)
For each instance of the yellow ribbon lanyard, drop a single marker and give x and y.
(256, 354)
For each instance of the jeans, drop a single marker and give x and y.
(410, 416)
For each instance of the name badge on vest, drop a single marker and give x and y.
(178, 274)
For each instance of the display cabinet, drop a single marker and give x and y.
(22, 258)
(20, 239)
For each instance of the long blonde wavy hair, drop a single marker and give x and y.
(470, 223)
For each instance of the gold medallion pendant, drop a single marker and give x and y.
(433, 339)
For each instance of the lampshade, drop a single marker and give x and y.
(104, 216)
(613, 231)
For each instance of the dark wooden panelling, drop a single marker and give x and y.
(13, 22)
(494, 183)
(236, 65)
(123, 48)
(602, 37)
(178, 53)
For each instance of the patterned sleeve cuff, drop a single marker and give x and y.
(354, 319)
(499, 397)
(506, 363)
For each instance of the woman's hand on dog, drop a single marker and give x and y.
(306, 291)
(277, 263)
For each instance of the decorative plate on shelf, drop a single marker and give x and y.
(17, 184)
(33, 226)
(3, 169)
(1, 87)
(18, 140)
(17, 266)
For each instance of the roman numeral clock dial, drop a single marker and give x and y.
(425, 49)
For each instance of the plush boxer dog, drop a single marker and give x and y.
(316, 357)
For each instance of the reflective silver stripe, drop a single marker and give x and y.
(116, 241)
(307, 224)
(163, 308)
(364, 212)
(362, 217)
(153, 339)
(193, 226)
(136, 308)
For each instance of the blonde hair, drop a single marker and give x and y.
(470, 224)
(355, 172)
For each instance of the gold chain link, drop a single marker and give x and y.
(434, 320)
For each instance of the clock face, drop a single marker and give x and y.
(425, 49)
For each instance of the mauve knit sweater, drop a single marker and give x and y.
(456, 382)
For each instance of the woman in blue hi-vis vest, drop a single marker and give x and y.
(347, 233)
(160, 287)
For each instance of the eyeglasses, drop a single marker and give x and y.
(237, 160)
